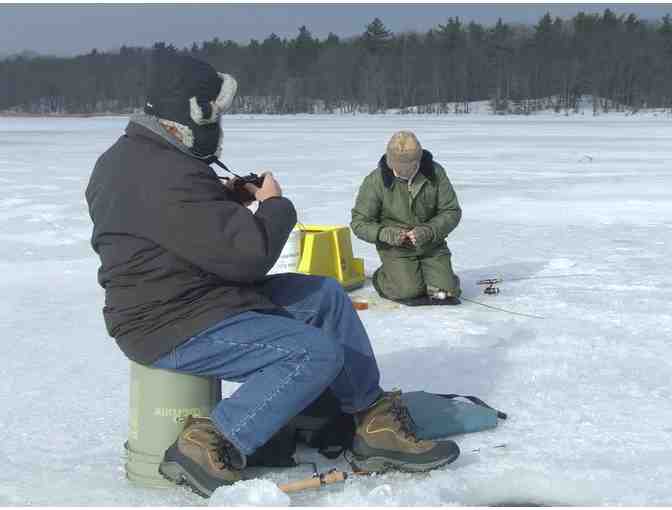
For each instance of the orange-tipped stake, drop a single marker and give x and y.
(360, 305)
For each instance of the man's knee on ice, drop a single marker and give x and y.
(399, 286)
(411, 292)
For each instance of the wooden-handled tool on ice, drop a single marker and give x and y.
(319, 480)
(315, 482)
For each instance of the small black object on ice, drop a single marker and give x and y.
(491, 285)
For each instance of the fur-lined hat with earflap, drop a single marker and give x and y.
(191, 96)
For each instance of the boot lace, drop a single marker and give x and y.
(222, 451)
(401, 415)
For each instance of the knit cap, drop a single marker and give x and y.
(403, 153)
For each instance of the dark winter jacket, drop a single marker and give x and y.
(178, 253)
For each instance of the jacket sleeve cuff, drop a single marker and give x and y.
(379, 229)
(278, 210)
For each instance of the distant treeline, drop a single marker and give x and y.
(620, 58)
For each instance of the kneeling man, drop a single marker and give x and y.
(407, 207)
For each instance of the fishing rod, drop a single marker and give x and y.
(317, 481)
(492, 289)
(521, 314)
(491, 283)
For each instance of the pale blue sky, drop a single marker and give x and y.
(72, 29)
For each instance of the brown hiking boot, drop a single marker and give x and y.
(384, 440)
(202, 458)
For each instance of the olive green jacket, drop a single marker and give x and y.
(384, 200)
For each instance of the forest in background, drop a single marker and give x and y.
(621, 59)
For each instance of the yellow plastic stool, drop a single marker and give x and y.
(158, 401)
(326, 250)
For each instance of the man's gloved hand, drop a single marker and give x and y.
(269, 188)
(421, 235)
(394, 236)
(248, 193)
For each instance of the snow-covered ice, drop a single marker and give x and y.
(587, 388)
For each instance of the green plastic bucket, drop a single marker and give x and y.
(159, 400)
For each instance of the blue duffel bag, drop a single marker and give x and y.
(323, 425)
(437, 415)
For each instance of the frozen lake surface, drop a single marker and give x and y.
(587, 388)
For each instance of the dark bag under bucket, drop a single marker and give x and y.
(441, 415)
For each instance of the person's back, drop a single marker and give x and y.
(159, 216)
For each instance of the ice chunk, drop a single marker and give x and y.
(254, 492)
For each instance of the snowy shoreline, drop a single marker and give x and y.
(541, 107)
(642, 113)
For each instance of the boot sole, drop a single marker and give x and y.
(383, 464)
(181, 470)
(178, 475)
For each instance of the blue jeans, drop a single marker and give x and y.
(285, 359)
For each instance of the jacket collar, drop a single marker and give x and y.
(426, 168)
(147, 126)
(135, 129)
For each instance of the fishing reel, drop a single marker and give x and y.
(490, 286)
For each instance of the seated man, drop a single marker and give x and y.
(184, 264)
(407, 207)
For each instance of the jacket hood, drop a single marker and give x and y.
(426, 168)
